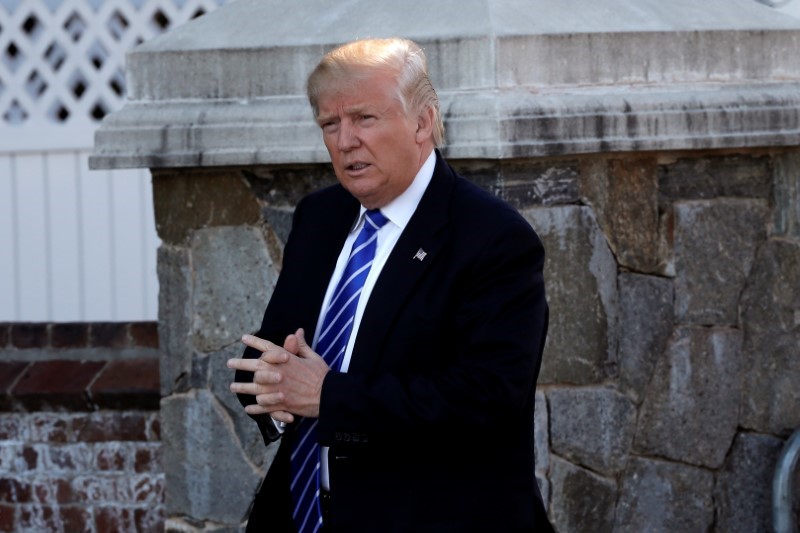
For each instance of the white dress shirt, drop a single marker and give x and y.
(399, 212)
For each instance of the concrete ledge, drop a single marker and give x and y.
(484, 124)
(516, 79)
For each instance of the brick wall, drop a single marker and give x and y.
(80, 442)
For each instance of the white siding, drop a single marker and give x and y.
(75, 245)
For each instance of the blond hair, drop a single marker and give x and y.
(401, 58)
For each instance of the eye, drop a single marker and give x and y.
(367, 118)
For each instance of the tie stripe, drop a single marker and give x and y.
(331, 345)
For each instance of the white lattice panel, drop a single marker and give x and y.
(77, 245)
(62, 61)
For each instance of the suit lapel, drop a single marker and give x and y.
(414, 253)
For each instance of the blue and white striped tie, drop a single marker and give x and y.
(331, 345)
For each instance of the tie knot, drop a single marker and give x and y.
(375, 219)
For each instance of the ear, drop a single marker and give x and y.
(425, 125)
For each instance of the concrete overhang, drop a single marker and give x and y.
(516, 78)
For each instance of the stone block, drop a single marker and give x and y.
(579, 499)
(283, 186)
(191, 199)
(533, 182)
(743, 490)
(280, 221)
(624, 195)
(541, 438)
(786, 196)
(592, 427)
(715, 245)
(127, 384)
(645, 324)
(525, 183)
(234, 275)
(219, 380)
(770, 310)
(174, 317)
(730, 176)
(663, 497)
(691, 410)
(581, 342)
(207, 472)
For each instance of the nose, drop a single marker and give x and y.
(348, 136)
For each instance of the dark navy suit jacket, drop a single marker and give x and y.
(431, 428)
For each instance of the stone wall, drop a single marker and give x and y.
(670, 378)
(80, 442)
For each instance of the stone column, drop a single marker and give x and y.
(652, 145)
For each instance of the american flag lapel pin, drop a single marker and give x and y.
(420, 254)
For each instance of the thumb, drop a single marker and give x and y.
(303, 349)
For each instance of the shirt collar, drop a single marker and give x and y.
(400, 210)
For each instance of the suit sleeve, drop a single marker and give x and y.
(472, 367)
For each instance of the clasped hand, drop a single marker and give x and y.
(287, 380)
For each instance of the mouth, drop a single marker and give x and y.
(355, 167)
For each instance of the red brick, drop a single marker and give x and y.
(13, 427)
(147, 458)
(15, 491)
(8, 518)
(148, 488)
(154, 428)
(101, 488)
(128, 384)
(57, 385)
(109, 334)
(69, 335)
(144, 334)
(52, 490)
(111, 457)
(109, 425)
(29, 335)
(150, 519)
(10, 371)
(75, 518)
(4, 336)
(50, 427)
(70, 457)
(36, 518)
(114, 520)
(31, 457)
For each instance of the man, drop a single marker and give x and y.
(424, 295)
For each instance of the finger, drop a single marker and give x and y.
(262, 345)
(291, 344)
(270, 399)
(248, 388)
(276, 355)
(250, 365)
(267, 377)
(282, 416)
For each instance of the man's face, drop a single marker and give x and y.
(376, 150)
